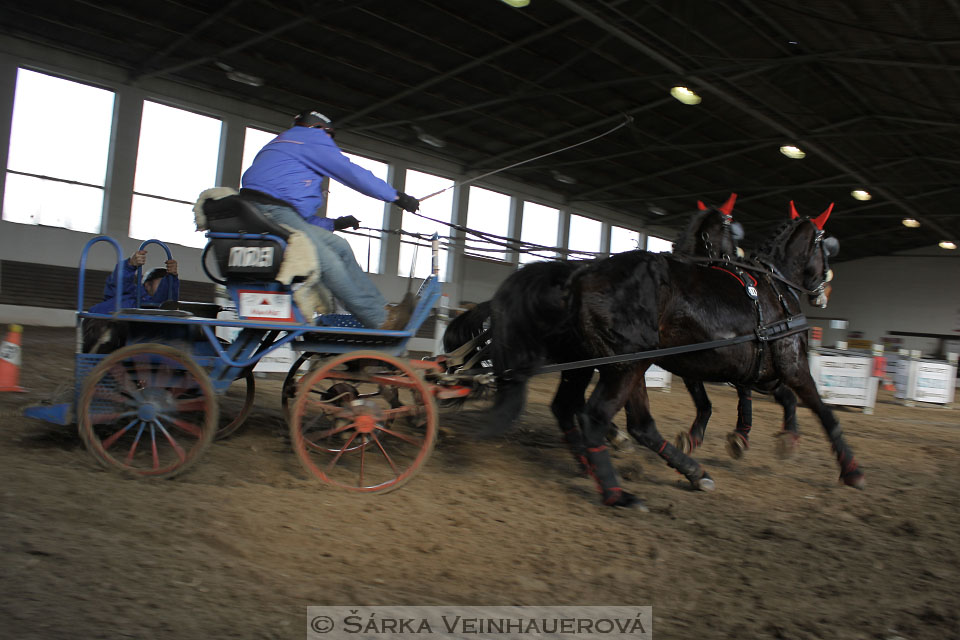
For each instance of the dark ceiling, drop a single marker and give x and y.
(869, 89)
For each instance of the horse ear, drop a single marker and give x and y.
(821, 219)
(728, 205)
(701, 206)
(793, 211)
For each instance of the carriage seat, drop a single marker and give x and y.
(243, 260)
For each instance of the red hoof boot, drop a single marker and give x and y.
(854, 479)
(737, 444)
(787, 444)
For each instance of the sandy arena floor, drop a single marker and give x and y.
(240, 545)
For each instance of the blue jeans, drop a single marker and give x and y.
(339, 270)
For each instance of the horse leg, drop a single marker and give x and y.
(606, 400)
(642, 427)
(738, 440)
(687, 441)
(567, 408)
(806, 390)
(789, 439)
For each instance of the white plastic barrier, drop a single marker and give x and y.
(926, 380)
(845, 379)
(658, 378)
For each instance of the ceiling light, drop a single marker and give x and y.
(245, 78)
(657, 211)
(684, 95)
(860, 194)
(564, 178)
(426, 138)
(947, 244)
(911, 222)
(517, 3)
(792, 152)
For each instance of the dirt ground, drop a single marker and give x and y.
(241, 544)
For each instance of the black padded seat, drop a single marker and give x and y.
(247, 259)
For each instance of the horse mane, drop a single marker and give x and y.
(690, 242)
(774, 249)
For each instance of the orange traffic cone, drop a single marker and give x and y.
(10, 360)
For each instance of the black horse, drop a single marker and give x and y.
(531, 327)
(639, 301)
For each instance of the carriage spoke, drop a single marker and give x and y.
(336, 458)
(190, 404)
(109, 441)
(176, 447)
(133, 446)
(405, 438)
(399, 412)
(103, 418)
(105, 395)
(363, 447)
(192, 429)
(153, 447)
(396, 472)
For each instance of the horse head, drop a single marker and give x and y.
(802, 250)
(711, 232)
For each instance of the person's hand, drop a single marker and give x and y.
(138, 259)
(171, 266)
(346, 222)
(407, 203)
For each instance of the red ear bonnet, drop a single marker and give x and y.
(701, 206)
(821, 219)
(793, 211)
(727, 207)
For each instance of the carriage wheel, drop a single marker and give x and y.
(236, 402)
(147, 410)
(363, 421)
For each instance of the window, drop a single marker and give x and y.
(253, 141)
(344, 201)
(176, 160)
(439, 207)
(540, 225)
(622, 239)
(659, 245)
(487, 212)
(584, 237)
(56, 174)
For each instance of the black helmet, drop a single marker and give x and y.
(314, 120)
(159, 272)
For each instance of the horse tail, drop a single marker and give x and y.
(528, 327)
(466, 326)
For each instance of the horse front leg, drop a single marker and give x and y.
(788, 440)
(642, 427)
(567, 407)
(605, 401)
(806, 390)
(687, 441)
(738, 440)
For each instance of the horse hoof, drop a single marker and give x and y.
(621, 442)
(705, 483)
(624, 500)
(787, 444)
(856, 480)
(684, 442)
(737, 445)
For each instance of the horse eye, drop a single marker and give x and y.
(831, 245)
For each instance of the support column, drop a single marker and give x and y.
(563, 231)
(232, 135)
(514, 227)
(393, 219)
(8, 85)
(455, 259)
(122, 162)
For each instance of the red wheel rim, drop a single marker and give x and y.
(372, 440)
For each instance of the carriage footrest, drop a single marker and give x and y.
(310, 341)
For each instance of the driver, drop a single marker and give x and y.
(285, 183)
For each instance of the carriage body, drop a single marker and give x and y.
(150, 407)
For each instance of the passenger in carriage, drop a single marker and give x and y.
(159, 285)
(285, 183)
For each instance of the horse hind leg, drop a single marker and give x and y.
(642, 427)
(850, 472)
(788, 440)
(688, 441)
(738, 440)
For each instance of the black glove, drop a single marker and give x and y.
(346, 222)
(407, 203)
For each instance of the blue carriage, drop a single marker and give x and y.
(360, 418)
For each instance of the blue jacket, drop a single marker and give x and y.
(168, 289)
(292, 166)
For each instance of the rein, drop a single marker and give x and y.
(758, 267)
